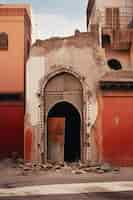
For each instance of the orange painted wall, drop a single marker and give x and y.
(12, 60)
(15, 22)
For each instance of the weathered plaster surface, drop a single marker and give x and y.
(77, 55)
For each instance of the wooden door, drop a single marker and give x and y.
(56, 132)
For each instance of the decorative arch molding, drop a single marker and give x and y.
(69, 70)
(86, 96)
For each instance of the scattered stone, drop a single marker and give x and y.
(94, 164)
(89, 169)
(27, 168)
(49, 166)
(37, 168)
(67, 168)
(61, 164)
(44, 167)
(116, 169)
(52, 162)
(97, 167)
(106, 167)
(35, 165)
(21, 166)
(80, 164)
(94, 169)
(65, 164)
(100, 171)
(83, 166)
(78, 172)
(20, 161)
(57, 170)
(57, 167)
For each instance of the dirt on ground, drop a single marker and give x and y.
(15, 173)
(10, 165)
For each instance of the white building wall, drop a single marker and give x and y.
(35, 71)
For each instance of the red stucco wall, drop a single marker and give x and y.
(11, 129)
(117, 124)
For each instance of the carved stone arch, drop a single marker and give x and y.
(46, 78)
(44, 109)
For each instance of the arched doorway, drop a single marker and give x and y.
(63, 88)
(63, 135)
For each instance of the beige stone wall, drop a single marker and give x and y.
(79, 53)
(79, 56)
(124, 57)
(34, 72)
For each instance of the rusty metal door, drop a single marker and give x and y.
(56, 133)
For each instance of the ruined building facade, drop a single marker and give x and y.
(79, 91)
(62, 75)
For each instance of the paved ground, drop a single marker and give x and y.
(90, 196)
(13, 178)
(41, 185)
(70, 190)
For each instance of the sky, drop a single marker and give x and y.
(55, 17)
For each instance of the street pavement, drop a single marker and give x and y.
(89, 196)
(78, 191)
(13, 178)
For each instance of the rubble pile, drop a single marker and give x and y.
(74, 168)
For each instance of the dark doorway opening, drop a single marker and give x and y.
(106, 41)
(72, 129)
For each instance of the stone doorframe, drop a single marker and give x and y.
(43, 112)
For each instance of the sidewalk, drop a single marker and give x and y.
(14, 177)
(64, 189)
